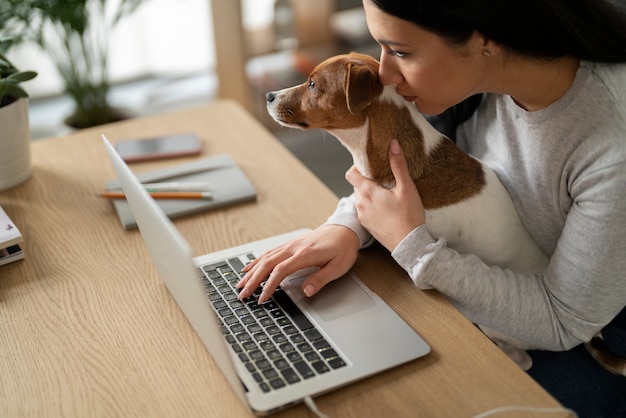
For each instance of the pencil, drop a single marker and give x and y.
(163, 195)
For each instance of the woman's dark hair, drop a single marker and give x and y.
(594, 30)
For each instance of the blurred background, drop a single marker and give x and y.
(172, 54)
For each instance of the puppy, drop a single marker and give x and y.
(465, 202)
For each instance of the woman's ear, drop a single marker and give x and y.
(488, 47)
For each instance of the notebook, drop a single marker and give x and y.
(355, 333)
(229, 186)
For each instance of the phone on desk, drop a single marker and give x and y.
(148, 149)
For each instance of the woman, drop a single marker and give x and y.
(552, 124)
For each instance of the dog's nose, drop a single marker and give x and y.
(270, 96)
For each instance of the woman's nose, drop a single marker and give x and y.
(388, 74)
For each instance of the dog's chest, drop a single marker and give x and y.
(355, 141)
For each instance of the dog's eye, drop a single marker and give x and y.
(311, 84)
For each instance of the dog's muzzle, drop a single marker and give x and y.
(270, 97)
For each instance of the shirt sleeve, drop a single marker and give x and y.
(345, 215)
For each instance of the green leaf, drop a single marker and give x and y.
(22, 76)
(17, 91)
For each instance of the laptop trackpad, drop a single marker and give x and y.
(338, 298)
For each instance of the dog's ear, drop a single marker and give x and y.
(361, 86)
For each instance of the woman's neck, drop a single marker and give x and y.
(535, 84)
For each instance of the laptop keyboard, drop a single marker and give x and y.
(277, 343)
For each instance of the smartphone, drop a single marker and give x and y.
(148, 149)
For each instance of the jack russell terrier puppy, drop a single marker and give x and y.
(464, 200)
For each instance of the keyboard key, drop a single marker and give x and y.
(294, 356)
(321, 345)
(313, 335)
(267, 345)
(261, 336)
(320, 367)
(281, 364)
(263, 364)
(219, 304)
(273, 330)
(269, 305)
(224, 311)
(286, 347)
(292, 309)
(243, 336)
(290, 375)
(304, 347)
(236, 264)
(266, 322)
(253, 328)
(218, 281)
(214, 297)
(256, 355)
(230, 320)
(311, 356)
(336, 363)
(230, 296)
(249, 345)
(277, 383)
(248, 319)
(237, 328)
(304, 369)
(284, 321)
(237, 304)
(241, 312)
(329, 353)
(290, 329)
(260, 314)
(274, 355)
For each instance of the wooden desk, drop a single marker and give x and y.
(88, 329)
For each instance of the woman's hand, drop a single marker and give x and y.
(332, 248)
(388, 214)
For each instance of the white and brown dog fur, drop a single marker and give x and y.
(464, 200)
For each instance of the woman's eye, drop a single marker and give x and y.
(311, 84)
(398, 54)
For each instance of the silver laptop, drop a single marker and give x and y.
(286, 350)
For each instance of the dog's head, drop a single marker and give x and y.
(335, 96)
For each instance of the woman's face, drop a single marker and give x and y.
(426, 69)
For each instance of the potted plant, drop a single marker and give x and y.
(75, 34)
(15, 164)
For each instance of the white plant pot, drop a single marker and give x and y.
(15, 166)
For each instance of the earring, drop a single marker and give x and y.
(486, 53)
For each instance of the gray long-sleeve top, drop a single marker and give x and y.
(565, 168)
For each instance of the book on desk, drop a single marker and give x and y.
(10, 239)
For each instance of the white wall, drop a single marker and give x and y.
(162, 38)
